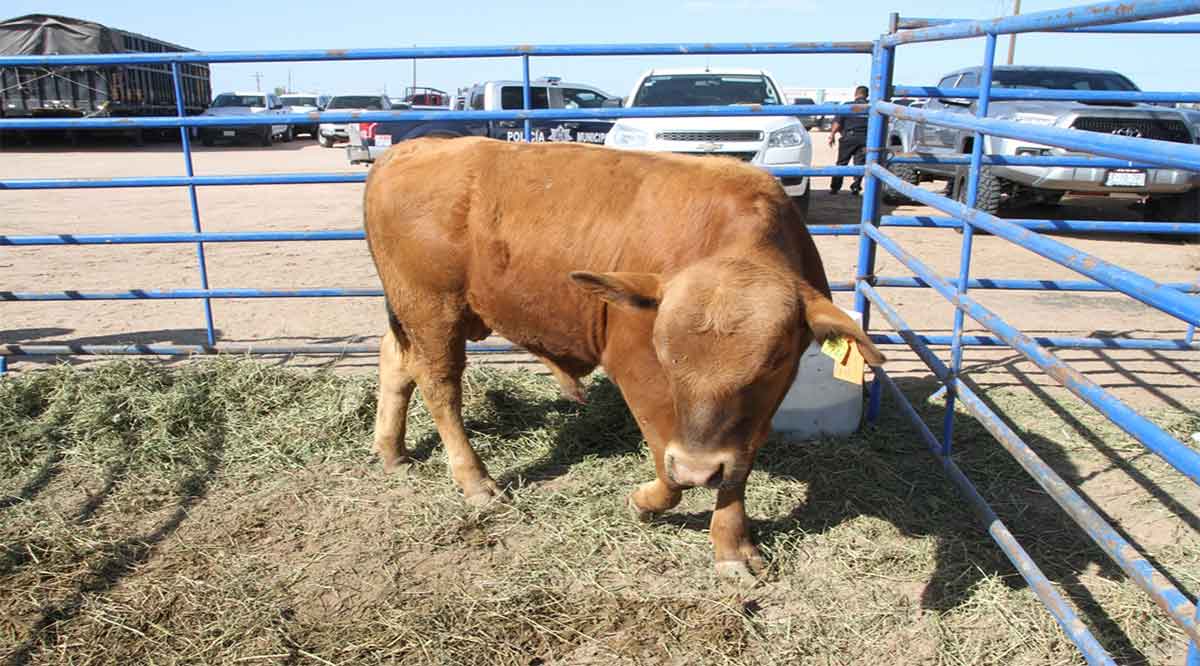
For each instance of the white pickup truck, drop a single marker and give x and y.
(762, 140)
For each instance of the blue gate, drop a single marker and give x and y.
(1103, 151)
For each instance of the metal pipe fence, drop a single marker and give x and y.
(1101, 151)
(1096, 150)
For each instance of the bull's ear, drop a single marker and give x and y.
(636, 291)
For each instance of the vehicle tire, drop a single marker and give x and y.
(801, 203)
(1175, 208)
(268, 137)
(326, 142)
(906, 173)
(207, 141)
(990, 196)
(288, 135)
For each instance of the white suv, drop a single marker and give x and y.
(762, 140)
(244, 104)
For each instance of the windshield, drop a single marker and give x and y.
(1061, 80)
(299, 101)
(240, 100)
(356, 102)
(705, 90)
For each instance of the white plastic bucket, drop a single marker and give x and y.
(817, 403)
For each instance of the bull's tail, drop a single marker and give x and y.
(827, 320)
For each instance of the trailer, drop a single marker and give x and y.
(85, 91)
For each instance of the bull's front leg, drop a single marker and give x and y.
(658, 495)
(736, 555)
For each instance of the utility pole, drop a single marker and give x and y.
(257, 81)
(1012, 39)
(414, 83)
(290, 88)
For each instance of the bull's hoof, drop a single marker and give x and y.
(397, 465)
(483, 493)
(742, 572)
(636, 512)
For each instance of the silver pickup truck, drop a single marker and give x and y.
(1171, 194)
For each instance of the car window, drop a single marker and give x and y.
(582, 98)
(239, 100)
(512, 97)
(1064, 79)
(356, 102)
(477, 101)
(295, 100)
(968, 80)
(948, 82)
(705, 90)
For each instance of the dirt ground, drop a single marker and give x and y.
(268, 556)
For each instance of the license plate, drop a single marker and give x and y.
(1125, 178)
(383, 140)
(228, 133)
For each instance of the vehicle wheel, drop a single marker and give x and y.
(268, 137)
(288, 135)
(207, 141)
(990, 197)
(1177, 208)
(326, 142)
(801, 202)
(906, 173)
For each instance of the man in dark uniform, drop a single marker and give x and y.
(853, 143)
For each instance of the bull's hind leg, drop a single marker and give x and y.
(397, 379)
(440, 358)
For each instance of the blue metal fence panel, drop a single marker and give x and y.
(1100, 152)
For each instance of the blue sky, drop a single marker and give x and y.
(1155, 63)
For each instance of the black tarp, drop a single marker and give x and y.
(45, 34)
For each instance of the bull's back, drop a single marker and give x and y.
(504, 225)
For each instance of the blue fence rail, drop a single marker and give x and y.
(1100, 151)
(1111, 151)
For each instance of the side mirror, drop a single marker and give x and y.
(613, 103)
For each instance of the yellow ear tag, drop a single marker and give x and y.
(850, 370)
(836, 348)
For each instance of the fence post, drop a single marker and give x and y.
(881, 82)
(526, 96)
(968, 237)
(181, 111)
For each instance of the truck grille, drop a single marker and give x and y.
(728, 135)
(743, 156)
(1162, 129)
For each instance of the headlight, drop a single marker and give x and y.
(788, 137)
(1035, 118)
(628, 137)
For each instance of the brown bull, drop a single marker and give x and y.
(693, 282)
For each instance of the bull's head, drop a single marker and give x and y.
(728, 333)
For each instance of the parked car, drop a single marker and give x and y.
(901, 140)
(426, 96)
(242, 104)
(370, 140)
(304, 103)
(1171, 194)
(331, 133)
(809, 121)
(763, 140)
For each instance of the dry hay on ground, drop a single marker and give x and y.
(226, 512)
